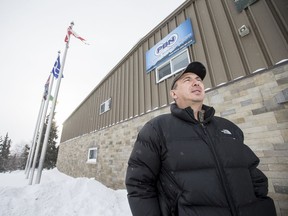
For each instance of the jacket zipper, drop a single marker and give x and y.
(218, 166)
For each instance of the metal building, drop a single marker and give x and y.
(243, 44)
(231, 41)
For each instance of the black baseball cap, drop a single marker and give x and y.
(194, 67)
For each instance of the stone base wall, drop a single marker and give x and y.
(258, 104)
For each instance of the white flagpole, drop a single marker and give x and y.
(32, 149)
(41, 130)
(42, 158)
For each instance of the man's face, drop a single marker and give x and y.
(189, 90)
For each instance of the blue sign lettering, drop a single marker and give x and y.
(161, 48)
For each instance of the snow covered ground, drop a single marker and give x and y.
(59, 194)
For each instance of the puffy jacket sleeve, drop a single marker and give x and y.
(142, 173)
(259, 180)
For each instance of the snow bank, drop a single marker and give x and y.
(59, 194)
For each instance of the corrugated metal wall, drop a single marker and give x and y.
(219, 46)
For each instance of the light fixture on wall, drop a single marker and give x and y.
(243, 30)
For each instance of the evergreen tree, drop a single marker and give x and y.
(24, 156)
(1, 158)
(52, 150)
(4, 153)
(12, 163)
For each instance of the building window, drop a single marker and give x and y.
(174, 65)
(104, 107)
(92, 155)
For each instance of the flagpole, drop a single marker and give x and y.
(41, 131)
(32, 149)
(44, 148)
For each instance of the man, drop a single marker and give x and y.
(191, 162)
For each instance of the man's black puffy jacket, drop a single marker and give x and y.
(181, 166)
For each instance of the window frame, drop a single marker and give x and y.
(170, 62)
(106, 108)
(92, 160)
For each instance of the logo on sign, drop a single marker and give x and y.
(165, 46)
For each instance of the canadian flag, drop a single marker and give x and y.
(70, 31)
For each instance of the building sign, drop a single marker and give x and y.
(242, 4)
(178, 39)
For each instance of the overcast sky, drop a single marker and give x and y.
(32, 33)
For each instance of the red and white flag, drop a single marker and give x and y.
(70, 31)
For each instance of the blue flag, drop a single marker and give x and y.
(56, 68)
